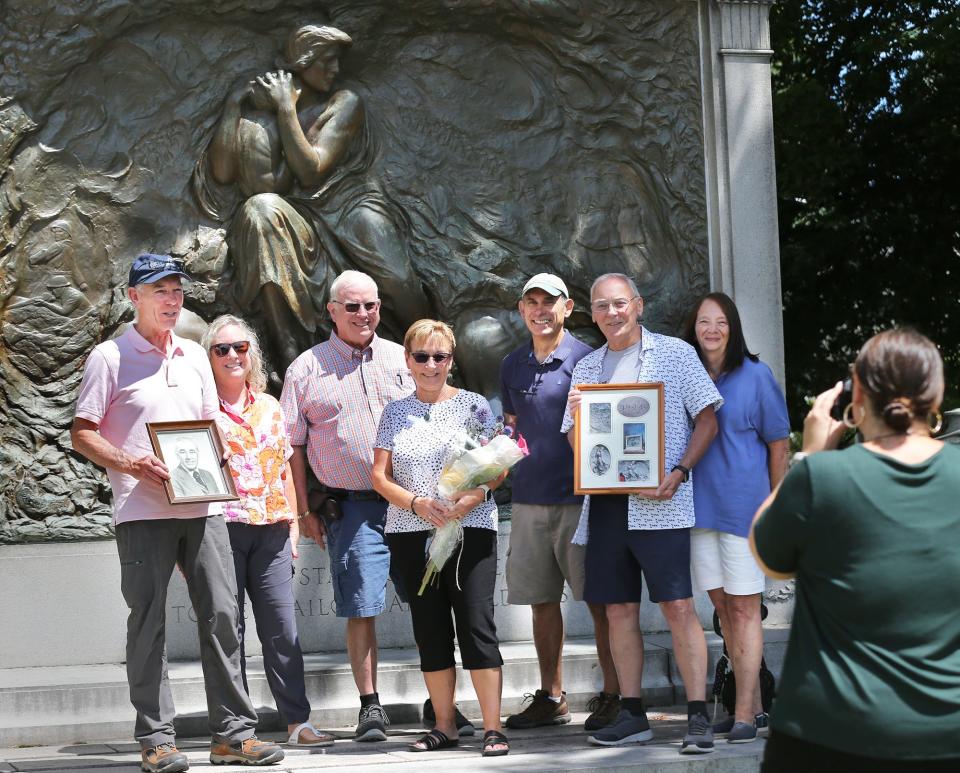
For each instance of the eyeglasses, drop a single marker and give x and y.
(352, 307)
(620, 304)
(438, 357)
(222, 350)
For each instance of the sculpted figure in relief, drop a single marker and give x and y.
(301, 155)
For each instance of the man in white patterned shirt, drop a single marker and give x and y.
(333, 395)
(646, 536)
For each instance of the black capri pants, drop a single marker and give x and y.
(471, 604)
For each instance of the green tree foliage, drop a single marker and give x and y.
(866, 105)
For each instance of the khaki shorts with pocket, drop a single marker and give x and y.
(541, 555)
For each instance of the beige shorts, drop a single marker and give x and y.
(541, 555)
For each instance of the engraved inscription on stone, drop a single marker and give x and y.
(633, 406)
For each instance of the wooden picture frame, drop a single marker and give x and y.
(193, 453)
(618, 439)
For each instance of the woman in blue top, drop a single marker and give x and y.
(746, 460)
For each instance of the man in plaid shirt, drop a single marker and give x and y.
(332, 399)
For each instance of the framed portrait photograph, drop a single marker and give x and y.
(618, 438)
(193, 453)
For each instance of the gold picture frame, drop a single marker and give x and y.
(618, 438)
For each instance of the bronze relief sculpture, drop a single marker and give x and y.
(300, 154)
(451, 150)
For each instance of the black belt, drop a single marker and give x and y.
(351, 495)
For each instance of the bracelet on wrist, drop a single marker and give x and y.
(413, 504)
(304, 514)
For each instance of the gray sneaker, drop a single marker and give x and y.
(723, 727)
(372, 724)
(699, 737)
(742, 732)
(628, 728)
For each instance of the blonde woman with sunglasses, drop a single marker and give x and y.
(262, 524)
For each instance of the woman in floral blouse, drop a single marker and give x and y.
(263, 523)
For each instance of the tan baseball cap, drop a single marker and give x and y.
(549, 283)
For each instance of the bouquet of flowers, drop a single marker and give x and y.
(475, 456)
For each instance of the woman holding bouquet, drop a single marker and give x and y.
(413, 441)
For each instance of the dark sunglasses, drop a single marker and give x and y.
(222, 350)
(422, 357)
(353, 307)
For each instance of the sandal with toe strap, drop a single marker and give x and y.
(433, 741)
(495, 738)
(323, 739)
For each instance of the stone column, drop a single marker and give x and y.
(741, 177)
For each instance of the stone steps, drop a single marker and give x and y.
(89, 703)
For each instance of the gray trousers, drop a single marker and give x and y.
(261, 555)
(149, 551)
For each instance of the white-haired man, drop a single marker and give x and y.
(333, 396)
(645, 538)
(150, 374)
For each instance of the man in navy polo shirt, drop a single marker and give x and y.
(534, 382)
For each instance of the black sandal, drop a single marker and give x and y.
(495, 738)
(433, 741)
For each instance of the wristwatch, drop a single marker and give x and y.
(486, 491)
(684, 470)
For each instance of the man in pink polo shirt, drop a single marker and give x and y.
(150, 374)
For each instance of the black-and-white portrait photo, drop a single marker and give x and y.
(634, 438)
(599, 459)
(600, 417)
(633, 470)
(193, 455)
(190, 478)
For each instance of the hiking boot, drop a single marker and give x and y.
(742, 732)
(541, 712)
(250, 751)
(604, 709)
(464, 726)
(626, 729)
(372, 723)
(164, 758)
(699, 737)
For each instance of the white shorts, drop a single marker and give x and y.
(721, 560)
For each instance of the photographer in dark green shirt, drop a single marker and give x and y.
(871, 679)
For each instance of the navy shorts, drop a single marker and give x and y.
(359, 558)
(619, 560)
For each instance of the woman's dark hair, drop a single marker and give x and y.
(736, 344)
(901, 373)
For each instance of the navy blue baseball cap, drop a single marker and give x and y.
(149, 268)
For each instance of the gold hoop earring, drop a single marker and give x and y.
(848, 417)
(935, 427)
